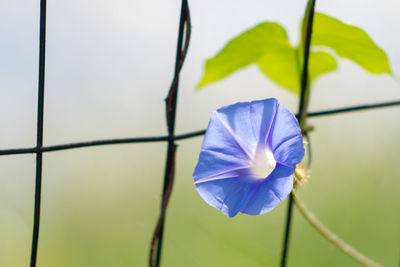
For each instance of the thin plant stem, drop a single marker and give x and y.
(330, 236)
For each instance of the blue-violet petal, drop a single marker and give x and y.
(249, 153)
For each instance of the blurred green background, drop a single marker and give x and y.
(109, 65)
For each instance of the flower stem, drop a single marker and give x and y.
(333, 238)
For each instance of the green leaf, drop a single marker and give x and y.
(320, 63)
(267, 46)
(279, 63)
(349, 42)
(243, 50)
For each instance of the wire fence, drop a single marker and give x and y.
(171, 108)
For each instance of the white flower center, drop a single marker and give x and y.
(263, 164)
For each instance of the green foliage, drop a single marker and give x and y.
(279, 63)
(320, 62)
(244, 50)
(349, 42)
(267, 45)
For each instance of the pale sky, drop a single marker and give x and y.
(109, 65)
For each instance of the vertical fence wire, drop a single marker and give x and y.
(302, 115)
(171, 104)
(39, 142)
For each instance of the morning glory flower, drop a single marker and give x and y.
(248, 156)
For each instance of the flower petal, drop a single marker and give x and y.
(224, 175)
(263, 114)
(212, 164)
(290, 152)
(270, 191)
(227, 195)
(284, 128)
(221, 138)
(285, 139)
(248, 124)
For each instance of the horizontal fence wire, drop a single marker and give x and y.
(166, 138)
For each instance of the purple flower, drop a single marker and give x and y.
(248, 156)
